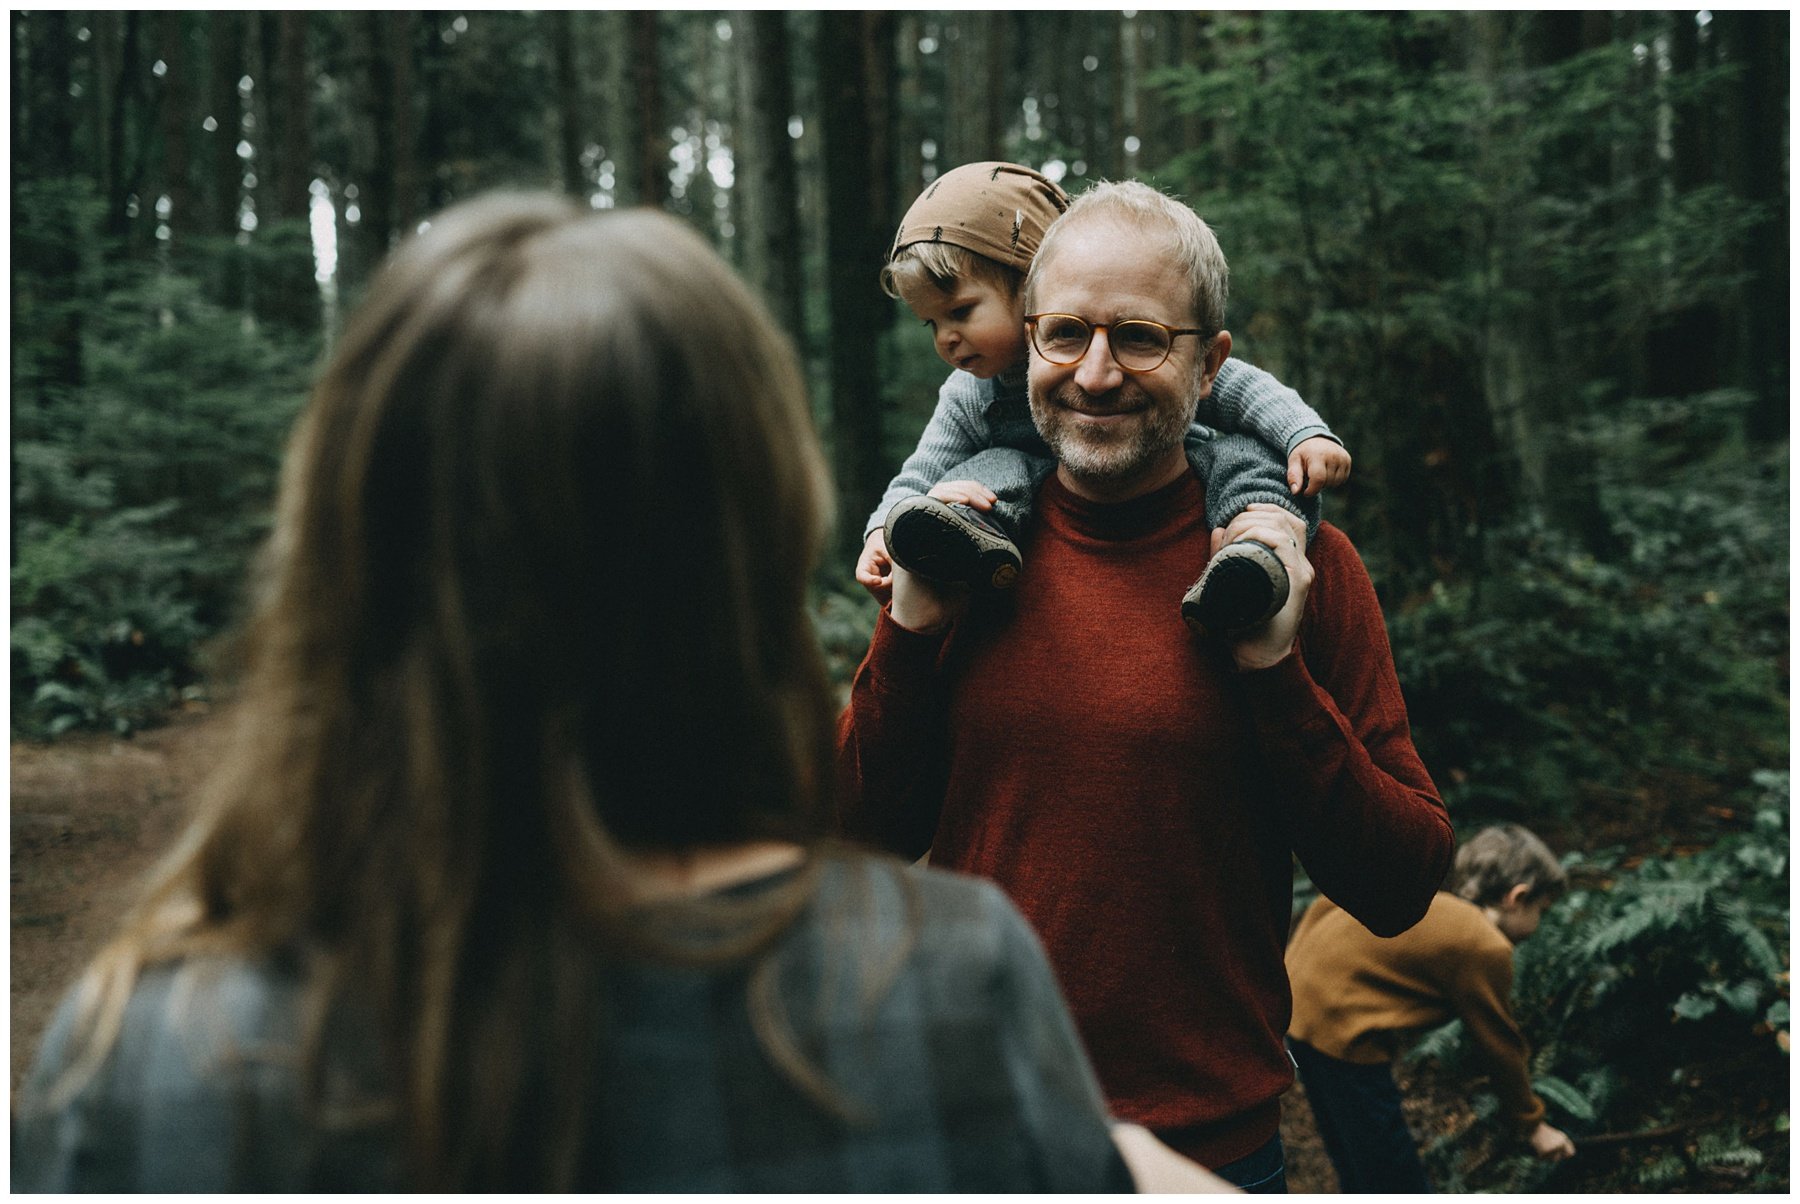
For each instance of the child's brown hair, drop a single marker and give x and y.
(943, 265)
(1494, 860)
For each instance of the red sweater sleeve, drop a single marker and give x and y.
(892, 742)
(1359, 808)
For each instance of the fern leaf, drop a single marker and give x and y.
(1564, 1095)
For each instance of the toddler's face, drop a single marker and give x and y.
(976, 326)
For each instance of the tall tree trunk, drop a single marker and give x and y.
(293, 86)
(126, 158)
(909, 126)
(570, 127)
(615, 115)
(653, 129)
(404, 140)
(1698, 327)
(103, 61)
(1193, 50)
(849, 103)
(175, 117)
(702, 197)
(224, 172)
(375, 175)
(994, 97)
(766, 175)
(1125, 92)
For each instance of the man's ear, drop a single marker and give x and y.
(1216, 354)
(1516, 897)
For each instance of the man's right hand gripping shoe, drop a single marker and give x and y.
(950, 542)
(1245, 584)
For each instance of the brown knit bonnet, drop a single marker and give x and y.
(999, 210)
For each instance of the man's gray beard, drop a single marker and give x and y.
(1108, 459)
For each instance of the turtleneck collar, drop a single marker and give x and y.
(1116, 522)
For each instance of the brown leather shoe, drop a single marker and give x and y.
(1245, 584)
(951, 542)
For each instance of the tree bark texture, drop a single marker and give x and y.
(765, 172)
(653, 131)
(855, 246)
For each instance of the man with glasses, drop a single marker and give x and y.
(1141, 792)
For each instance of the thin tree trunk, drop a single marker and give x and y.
(994, 96)
(616, 126)
(175, 118)
(702, 198)
(225, 173)
(653, 130)
(855, 248)
(1125, 93)
(374, 172)
(766, 174)
(909, 128)
(294, 160)
(569, 124)
(127, 166)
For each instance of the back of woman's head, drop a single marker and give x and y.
(554, 507)
(535, 596)
(536, 591)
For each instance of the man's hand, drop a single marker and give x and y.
(1551, 1143)
(1285, 535)
(874, 568)
(1318, 463)
(925, 606)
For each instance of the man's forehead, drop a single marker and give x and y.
(1105, 262)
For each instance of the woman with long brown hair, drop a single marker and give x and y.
(512, 877)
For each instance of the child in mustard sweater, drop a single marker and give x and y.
(1356, 995)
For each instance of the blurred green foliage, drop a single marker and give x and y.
(138, 491)
(1547, 680)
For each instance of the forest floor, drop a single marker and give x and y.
(90, 814)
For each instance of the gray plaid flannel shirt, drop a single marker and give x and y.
(968, 1070)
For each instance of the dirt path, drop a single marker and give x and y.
(89, 815)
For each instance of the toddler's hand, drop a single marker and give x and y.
(969, 493)
(1551, 1143)
(874, 569)
(1318, 463)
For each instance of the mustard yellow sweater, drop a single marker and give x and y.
(1356, 995)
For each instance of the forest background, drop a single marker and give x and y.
(1533, 267)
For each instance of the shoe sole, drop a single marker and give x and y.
(1237, 569)
(926, 537)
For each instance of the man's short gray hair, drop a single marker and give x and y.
(1139, 205)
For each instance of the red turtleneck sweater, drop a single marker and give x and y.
(1139, 798)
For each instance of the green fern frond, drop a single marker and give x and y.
(1565, 1096)
(1726, 1150)
(1662, 1173)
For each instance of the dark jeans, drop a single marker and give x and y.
(1261, 1172)
(1358, 1112)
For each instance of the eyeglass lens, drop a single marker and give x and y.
(1137, 346)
